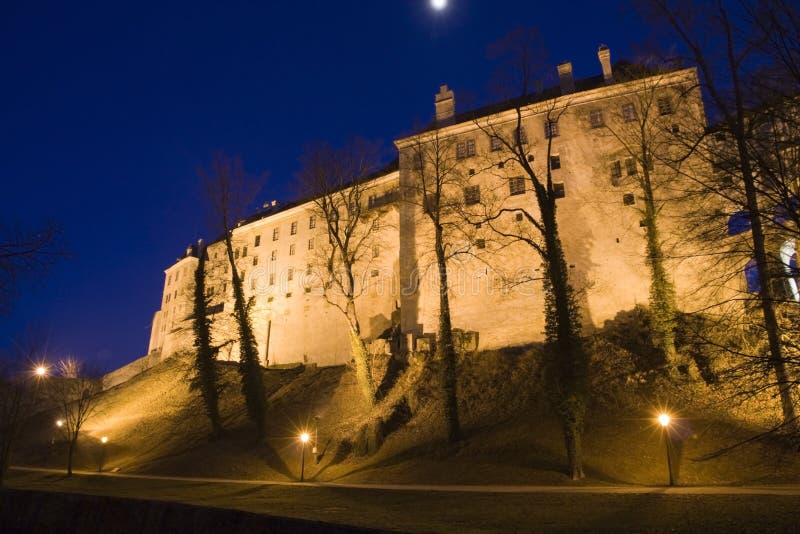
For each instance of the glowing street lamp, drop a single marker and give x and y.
(103, 441)
(303, 440)
(664, 420)
(60, 423)
(41, 370)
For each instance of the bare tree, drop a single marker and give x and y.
(25, 252)
(539, 230)
(205, 379)
(438, 189)
(76, 396)
(339, 182)
(722, 45)
(230, 189)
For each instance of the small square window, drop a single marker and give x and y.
(558, 190)
(495, 143)
(293, 228)
(311, 244)
(555, 162)
(472, 195)
(518, 217)
(676, 129)
(273, 255)
(628, 199)
(270, 298)
(307, 289)
(292, 249)
(471, 172)
(664, 106)
(276, 233)
(480, 243)
(257, 241)
(501, 165)
(629, 113)
(516, 186)
(289, 294)
(550, 129)
(312, 222)
(596, 119)
(375, 273)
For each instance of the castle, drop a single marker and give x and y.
(495, 286)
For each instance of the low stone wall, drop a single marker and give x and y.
(126, 372)
(38, 511)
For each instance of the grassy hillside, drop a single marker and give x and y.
(156, 425)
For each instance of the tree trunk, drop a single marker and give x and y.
(70, 451)
(445, 350)
(360, 355)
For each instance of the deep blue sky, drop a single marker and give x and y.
(106, 109)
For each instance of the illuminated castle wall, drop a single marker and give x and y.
(598, 215)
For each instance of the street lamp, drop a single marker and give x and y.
(41, 370)
(60, 423)
(303, 440)
(664, 420)
(103, 441)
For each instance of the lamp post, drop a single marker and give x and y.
(303, 440)
(664, 420)
(103, 442)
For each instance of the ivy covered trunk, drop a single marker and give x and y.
(445, 350)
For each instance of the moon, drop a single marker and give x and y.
(438, 5)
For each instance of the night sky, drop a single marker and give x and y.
(106, 110)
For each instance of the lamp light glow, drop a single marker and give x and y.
(438, 5)
(664, 419)
(41, 370)
(59, 423)
(104, 440)
(304, 437)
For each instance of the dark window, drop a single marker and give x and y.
(257, 241)
(501, 165)
(307, 290)
(676, 129)
(236, 254)
(244, 252)
(293, 228)
(495, 143)
(274, 255)
(255, 260)
(470, 147)
(518, 217)
(555, 162)
(290, 274)
(472, 194)
(472, 172)
(292, 249)
(465, 149)
(550, 129)
(516, 186)
(558, 190)
(272, 279)
(276, 233)
(616, 172)
(480, 243)
(311, 244)
(630, 166)
(376, 251)
(375, 273)
(522, 136)
(596, 119)
(664, 106)
(629, 113)
(628, 199)
(312, 222)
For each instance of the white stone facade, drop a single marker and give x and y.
(600, 229)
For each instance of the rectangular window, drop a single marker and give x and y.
(596, 119)
(290, 274)
(169, 279)
(555, 162)
(461, 150)
(273, 255)
(628, 199)
(480, 243)
(558, 190)
(472, 194)
(236, 254)
(470, 147)
(518, 217)
(276, 233)
(312, 222)
(550, 129)
(375, 273)
(272, 279)
(376, 251)
(257, 241)
(664, 106)
(616, 172)
(255, 260)
(630, 166)
(311, 244)
(495, 143)
(521, 136)
(629, 113)
(516, 186)
(309, 269)
(292, 249)
(293, 228)
(244, 252)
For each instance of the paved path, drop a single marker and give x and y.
(787, 489)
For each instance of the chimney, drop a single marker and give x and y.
(604, 55)
(445, 102)
(565, 77)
